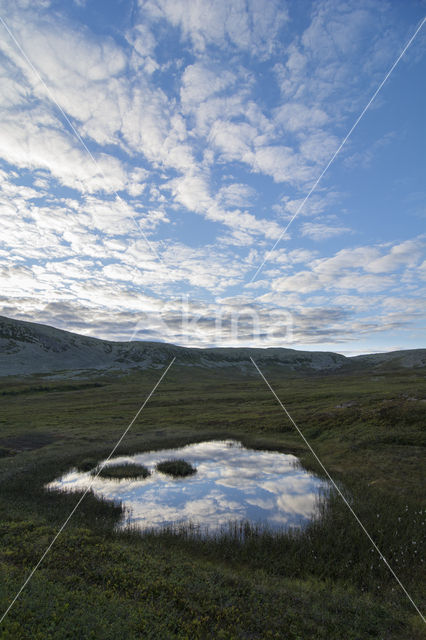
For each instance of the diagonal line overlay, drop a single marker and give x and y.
(119, 199)
(80, 500)
(339, 491)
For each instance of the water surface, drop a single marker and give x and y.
(232, 483)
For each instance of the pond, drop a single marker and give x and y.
(232, 484)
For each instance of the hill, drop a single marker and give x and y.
(27, 348)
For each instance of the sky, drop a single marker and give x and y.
(153, 152)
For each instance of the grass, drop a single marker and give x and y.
(126, 470)
(325, 582)
(176, 467)
(87, 464)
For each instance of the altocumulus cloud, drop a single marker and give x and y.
(207, 123)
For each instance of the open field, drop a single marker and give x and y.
(368, 429)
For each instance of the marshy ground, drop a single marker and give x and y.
(324, 583)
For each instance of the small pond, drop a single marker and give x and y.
(232, 483)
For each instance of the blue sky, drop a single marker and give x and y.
(153, 151)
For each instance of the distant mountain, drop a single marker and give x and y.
(26, 347)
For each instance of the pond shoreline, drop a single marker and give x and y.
(228, 483)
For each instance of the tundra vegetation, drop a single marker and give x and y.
(176, 467)
(325, 582)
(122, 471)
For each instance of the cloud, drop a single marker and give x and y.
(120, 107)
(234, 141)
(281, 163)
(407, 253)
(250, 25)
(296, 116)
(237, 195)
(317, 203)
(334, 51)
(211, 120)
(192, 191)
(143, 40)
(39, 144)
(318, 231)
(200, 82)
(354, 269)
(72, 63)
(318, 147)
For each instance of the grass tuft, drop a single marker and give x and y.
(87, 464)
(177, 468)
(126, 470)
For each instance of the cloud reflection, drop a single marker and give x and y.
(232, 483)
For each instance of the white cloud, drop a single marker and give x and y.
(200, 82)
(281, 163)
(318, 147)
(246, 25)
(355, 269)
(296, 116)
(407, 253)
(330, 72)
(237, 195)
(118, 107)
(318, 231)
(234, 141)
(34, 141)
(200, 131)
(318, 203)
(143, 40)
(192, 191)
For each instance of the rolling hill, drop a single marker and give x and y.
(27, 348)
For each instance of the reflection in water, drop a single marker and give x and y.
(232, 483)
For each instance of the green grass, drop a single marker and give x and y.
(326, 582)
(176, 467)
(87, 464)
(120, 471)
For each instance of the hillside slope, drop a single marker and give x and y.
(27, 347)
(409, 358)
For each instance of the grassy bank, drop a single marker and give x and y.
(324, 583)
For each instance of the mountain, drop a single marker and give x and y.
(27, 347)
